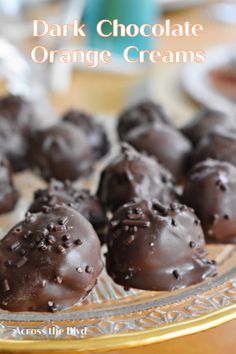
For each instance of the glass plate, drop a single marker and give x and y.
(196, 81)
(112, 318)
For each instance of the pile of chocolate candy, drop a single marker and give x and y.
(167, 192)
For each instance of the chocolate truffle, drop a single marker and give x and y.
(8, 193)
(95, 131)
(153, 247)
(205, 122)
(64, 193)
(49, 261)
(141, 114)
(61, 152)
(132, 175)
(13, 145)
(18, 112)
(210, 189)
(168, 145)
(16, 123)
(218, 145)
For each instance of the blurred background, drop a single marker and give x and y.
(181, 88)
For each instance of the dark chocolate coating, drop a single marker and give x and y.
(13, 145)
(152, 247)
(205, 122)
(61, 152)
(49, 261)
(218, 145)
(18, 112)
(211, 190)
(8, 193)
(81, 200)
(17, 121)
(132, 175)
(95, 131)
(141, 114)
(170, 147)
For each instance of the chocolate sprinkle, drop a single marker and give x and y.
(6, 286)
(61, 249)
(21, 262)
(192, 244)
(78, 242)
(176, 274)
(15, 245)
(88, 269)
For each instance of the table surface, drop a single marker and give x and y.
(103, 92)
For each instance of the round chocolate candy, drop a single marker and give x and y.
(153, 247)
(210, 189)
(132, 175)
(17, 121)
(61, 152)
(49, 261)
(205, 122)
(13, 145)
(8, 193)
(80, 199)
(169, 146)
(17, 112)
(95, 131)
(218, 145)
(141, 114)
